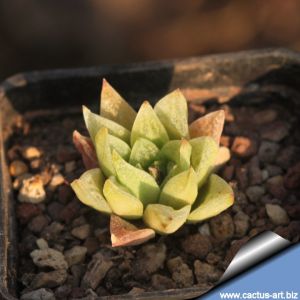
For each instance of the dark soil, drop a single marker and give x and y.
(264, 171)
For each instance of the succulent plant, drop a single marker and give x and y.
(151, 165)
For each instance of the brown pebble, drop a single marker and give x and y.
(241, 224)
(244, 147)
(13, 152)
(70, 211)
(92, 244)
(160, 282)
(17, 168)
(36, 164)
(205, 272)
(65, 193)
(292, 178)
(268, 151)
(26, 211)
(38, 223)
(65, 154)
(293, 210)
(213, 258)
(197, 244)
(255, 173)
(54, 208)
(81, 232)
(222, 227)
(49, 279)
(32, 190)
(30, 153)
(96, 271)
(150, 258)
(277, 214)
(276, 131)
(288, 156)
(241, 174)
(275, 187)
(228, 173)
(265, 116)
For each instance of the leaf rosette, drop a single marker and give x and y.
(151, 165)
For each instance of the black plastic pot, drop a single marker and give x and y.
(227, 77)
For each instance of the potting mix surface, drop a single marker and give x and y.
(64, 247)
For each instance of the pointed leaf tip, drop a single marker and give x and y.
(124, 233)
(86, 148)
(173, 113)
(94, 122)
(147, 125)
(114, 107)
(209, 125)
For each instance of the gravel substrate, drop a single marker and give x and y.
(64, 246)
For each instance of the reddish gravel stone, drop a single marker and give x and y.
(292, 178)
(54, 209)
(160, 282)
(65, 154)
(197, 244)
(205, 272)
(244, 147)
(293, 211)
(294, 228)
(38, 223)
(288, 156)
(255, 173)
(265, 116)
(65, 193)
(70, 211)
(222, 227)
(276, 187)
(276, 131)
(241, 174)
(268, 151)
(92, 245)
(26, 211)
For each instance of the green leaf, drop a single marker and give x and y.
(121, 201)
(139, 182)
(204, 154)
(120, 146)
(180, 190)
(143, 152)
(88, 189)
(164, 219)
(178, 152)
(115, 108)
(173, 113)
(94, 122)
(147, 125)
(104, 144)
(214, 197)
